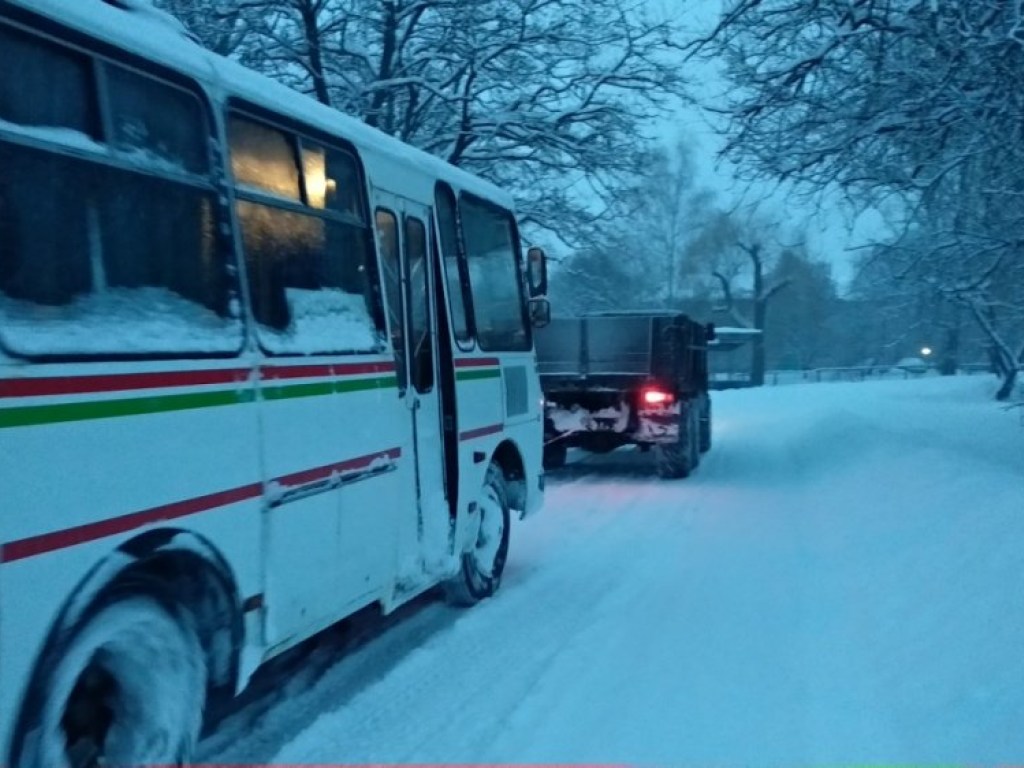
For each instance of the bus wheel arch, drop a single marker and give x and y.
(509, 460)
(125, 684)
(199, 578)
(174, 569)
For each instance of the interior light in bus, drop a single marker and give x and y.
(320, 189)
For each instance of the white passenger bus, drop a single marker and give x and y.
(261, 366)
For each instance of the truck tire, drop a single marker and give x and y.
(482, 566)
(127, 688)
(554, 454)
(677, 460)
(695, 412)
(705, 426)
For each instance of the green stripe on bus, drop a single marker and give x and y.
(109, 409)
(490, 373)
(318, 388)
(34, 415)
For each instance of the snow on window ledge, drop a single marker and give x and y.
(117, 321)
(323, 321)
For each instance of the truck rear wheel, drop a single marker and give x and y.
(679, 459)
(705, 426)
(554, 454)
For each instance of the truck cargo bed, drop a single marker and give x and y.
(615, 350)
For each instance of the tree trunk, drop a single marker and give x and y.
(386, 70)
(311, 31)
(949, 363)
(1004, 362)
(758, 353)
(1006, 388)
(757, 361)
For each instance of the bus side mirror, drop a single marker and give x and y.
(540, 311)
(536, 272)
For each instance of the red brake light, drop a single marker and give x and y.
(657, 397)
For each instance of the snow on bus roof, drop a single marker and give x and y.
(158, 36)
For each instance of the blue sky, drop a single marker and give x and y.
(833, 232)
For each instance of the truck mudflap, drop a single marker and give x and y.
(658, 425)
(579, 419)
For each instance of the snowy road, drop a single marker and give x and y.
(841, 582)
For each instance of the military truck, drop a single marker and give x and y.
(618, 378)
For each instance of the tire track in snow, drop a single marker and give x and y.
(496, 653)
(767, 610)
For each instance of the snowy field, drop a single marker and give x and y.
(842, 582)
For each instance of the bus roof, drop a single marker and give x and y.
(139, 28)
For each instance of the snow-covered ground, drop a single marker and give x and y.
(841, 582)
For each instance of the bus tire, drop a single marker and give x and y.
(128, 687)
(677, 460)
(482, 566)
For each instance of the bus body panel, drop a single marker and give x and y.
(70, 482)
(319, 457)
(525, 424)
(299, 471)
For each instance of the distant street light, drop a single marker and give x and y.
(926, 351)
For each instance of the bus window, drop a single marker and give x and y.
(263, 158)
(304, 298)
(449, 226)
(95, 257)
(42, 264)
(43, 85)
(157, 122)
(307, 265)
(387, 235)
(332, 181)
(421, 341)
(133, 266)
(493, 276)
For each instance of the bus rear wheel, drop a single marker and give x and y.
(127, 689)
(483, 565)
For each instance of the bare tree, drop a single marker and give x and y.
(801, 329)
(908, 99)
(546, 97)
(644, 253)
(762, 292)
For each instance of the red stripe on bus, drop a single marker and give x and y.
(321, 473)
(274, 372)
(80, 385)
(50, 542)
(476, 362)
(69, 537)
(472, 434)
(122, 382)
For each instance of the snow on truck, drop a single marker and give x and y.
(619, 378)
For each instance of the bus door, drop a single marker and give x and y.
(404, 231)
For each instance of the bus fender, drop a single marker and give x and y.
(196, 575)
(509, 459)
